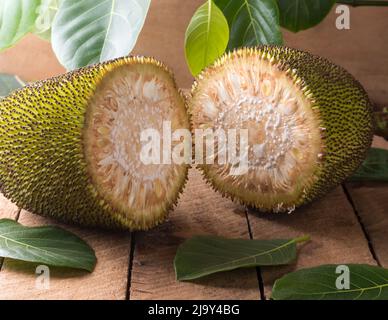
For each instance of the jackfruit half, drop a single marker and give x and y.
(308, 123)
(70, 146)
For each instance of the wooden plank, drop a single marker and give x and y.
(200, 211)
(108, 281)
(348, 48)
(31, 59)
(7, 208)
(371, 203)
(336, 235)
(351, 48)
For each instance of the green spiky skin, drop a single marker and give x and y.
(42, 162)
(345, 111)
(343, 105)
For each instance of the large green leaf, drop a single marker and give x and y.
(374, 168)
(47, 245)
(46, 14)
(9, 83)
(17, 18)
(91, 31)
(320, 283)
(206, 37)
(297, 15)
(252, 22)
(204, 255)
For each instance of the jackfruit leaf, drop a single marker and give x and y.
(46, 14)
(204, 255)
(17, 18)
(91, 31)
(297, 15)
(206, 37)
(252, 22)
(48, 245)
(9, 83)
(374, 168)
(333, 282)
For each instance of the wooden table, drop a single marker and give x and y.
(349, 225)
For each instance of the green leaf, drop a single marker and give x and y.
(297, 15)
(320, 283)
(17, 18)
(252, 22)
(374, 168)
(46, 14)
(204, 255)
(9, 83)
(91, 31)
(206, 37)
(47, 245)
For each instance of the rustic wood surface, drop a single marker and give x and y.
(109, 280)
(200, 211)
(7, 211)
(361, 50)
(348, 225)
(370, 201)
(336, 235)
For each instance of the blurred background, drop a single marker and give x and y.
(363, 49)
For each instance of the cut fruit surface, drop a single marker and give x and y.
(130, 100)
(71, 146)
(280, 104)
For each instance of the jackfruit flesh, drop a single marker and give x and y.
(309, 125)
(70, 146)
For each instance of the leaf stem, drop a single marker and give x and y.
(302, 239)
(358, 3)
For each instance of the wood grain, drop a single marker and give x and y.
(371, 202)
(336, 235)
(200, 211)
(31, 59)
(163, 38)
(108, 281)
(352, 49)
(7, 211)
(164, 29)
(7, 208)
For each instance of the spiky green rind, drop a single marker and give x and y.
(43, 167)
(345, 111)
(343, 107)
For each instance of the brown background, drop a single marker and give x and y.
(347, 226)
(362, 49)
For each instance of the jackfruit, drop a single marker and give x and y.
(70, 146)
(309, 125)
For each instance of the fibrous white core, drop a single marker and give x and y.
(284, 135)
(129, 101)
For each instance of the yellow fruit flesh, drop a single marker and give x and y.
(284, 136)
(130, 100)
(308, 122)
